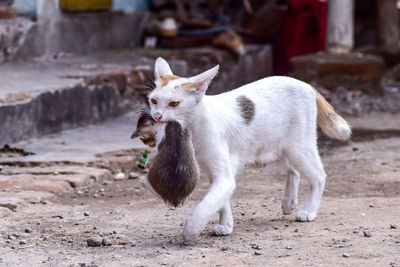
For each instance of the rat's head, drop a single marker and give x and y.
(174, 98)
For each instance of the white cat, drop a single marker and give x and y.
(275, 117)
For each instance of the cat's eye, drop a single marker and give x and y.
(153, 101)
(173, 104)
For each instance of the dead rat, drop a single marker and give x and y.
(173, 168)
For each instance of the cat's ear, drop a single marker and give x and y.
(204, 79)
(161, 68)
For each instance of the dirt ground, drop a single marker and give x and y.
(362, 192)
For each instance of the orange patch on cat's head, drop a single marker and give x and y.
(164, 80)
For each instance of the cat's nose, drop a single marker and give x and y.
(158, 116)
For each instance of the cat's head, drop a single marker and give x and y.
(174, 98)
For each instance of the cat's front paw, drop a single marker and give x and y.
(220, 230)
(189, 237)
(305, 216)
(191, 232)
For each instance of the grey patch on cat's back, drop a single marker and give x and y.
(247, 108)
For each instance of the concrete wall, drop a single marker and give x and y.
(58, 110)
(78, 33)
(83, 33)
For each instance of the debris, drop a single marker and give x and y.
(22, 242)
(106, 182)
(393, 226)
(224, 248)
(346, 255)
(10, 206)
(12, 152)
(133, 175)
(367, 233)
(364, 227)
(119, 176)
(106, 241)
(27, 230)
(13, 249)
(12, 236)
(257, 253)
(255, 246)
(141, 161)
(94, 241)
(86, 214)
(119, 243)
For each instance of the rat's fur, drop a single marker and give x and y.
(275, 117)
(173, 168)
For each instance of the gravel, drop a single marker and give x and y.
(393, 226)
(346, 255)
(106, 241)
(119, 176)
(95, 241)
(367, 233)
(364, 227)
(11, 236)
(106, 182)
(133, 175)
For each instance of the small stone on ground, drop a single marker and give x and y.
(95, 241)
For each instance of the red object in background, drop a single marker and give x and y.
(303, 32)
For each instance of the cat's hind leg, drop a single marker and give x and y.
(225, 226)
(309, 165)
(289, 202)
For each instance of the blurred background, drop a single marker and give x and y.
(83, 62)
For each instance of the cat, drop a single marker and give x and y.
(275, 117)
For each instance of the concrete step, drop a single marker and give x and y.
(64, 162)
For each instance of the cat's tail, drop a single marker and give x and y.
(330, 122)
